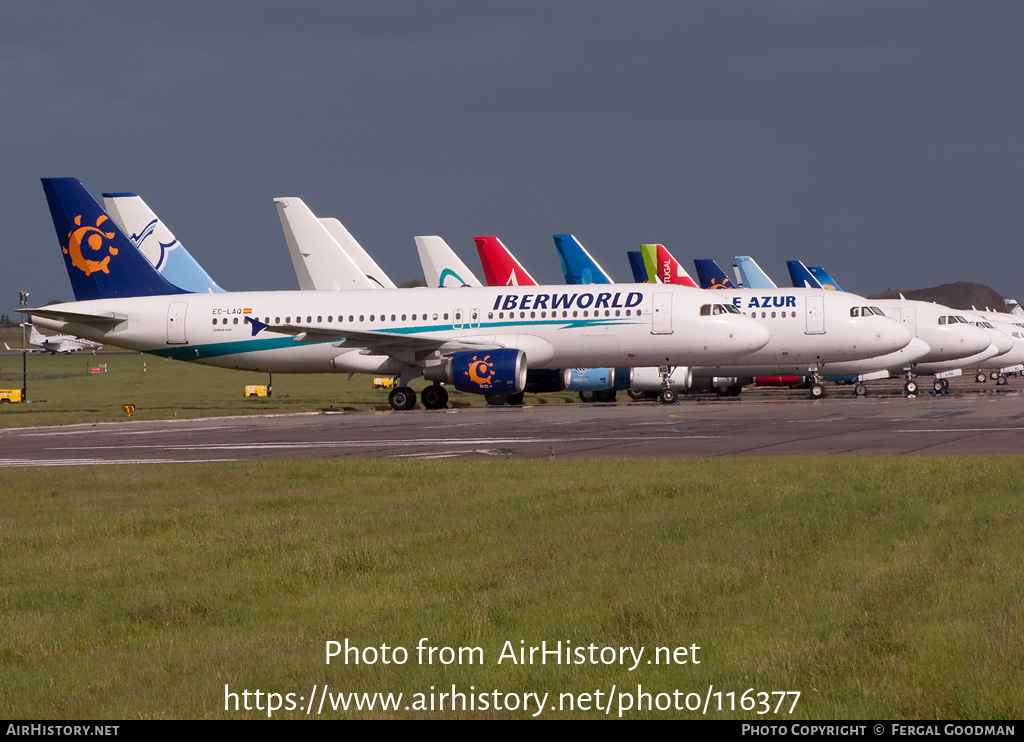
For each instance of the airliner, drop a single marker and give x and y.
(482, 340)
(812, 332)
(954, 342)
(54, 344)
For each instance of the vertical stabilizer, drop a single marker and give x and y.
(102, 262)
(578, 265)
(442, 268)
(501, 268)
(751, 274)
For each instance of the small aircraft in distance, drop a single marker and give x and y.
(54, 344)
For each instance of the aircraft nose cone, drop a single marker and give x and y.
(1001, 340)
(894, 335)
(975, 340)
(756, 334)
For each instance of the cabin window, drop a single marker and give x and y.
(214, 320)
(235, 322)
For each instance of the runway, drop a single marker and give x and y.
(990, 422)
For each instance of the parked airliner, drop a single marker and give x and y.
(481, 340)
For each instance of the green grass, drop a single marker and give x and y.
(877, 587)
(62, 390)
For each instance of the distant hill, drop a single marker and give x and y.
(959, 295)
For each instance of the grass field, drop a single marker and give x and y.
(62, 389)
(877, 587)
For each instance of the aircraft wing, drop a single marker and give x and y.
(377, 343)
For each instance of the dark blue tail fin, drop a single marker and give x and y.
(711, 276)
(102, 262)
(802, 278)
(636, 262)
(824, 278)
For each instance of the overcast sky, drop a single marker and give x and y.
(884, 140)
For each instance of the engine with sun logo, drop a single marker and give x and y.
(498, 371)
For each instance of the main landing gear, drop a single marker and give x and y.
(434, 397)
(402, 398)
(498, 400)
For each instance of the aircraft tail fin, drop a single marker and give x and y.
(441, 266)
(636, 264)
(668, 268)
(320, 263)
(711, 275)
(34, 336)
(355, 251)
(824, 278)
(102, 262)
(801, 276)
(578, 265)
(751, 274)
(501, 268)
(158, 244)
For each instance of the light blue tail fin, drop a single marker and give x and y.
(101, 260)
(155, 241)
(751, 274)
(711, 276)
(577, 264)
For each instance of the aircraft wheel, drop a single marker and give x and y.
(735, 390)
(860, 390)
(402, 398)
(910, 388)
(516, 399)
(994, 375)
(588, 396)
(635, 395)
(980, 378)
(606, 395)
(1002, 381)
(817, 391)
(434, 397)
(496, 400)
(668, 396)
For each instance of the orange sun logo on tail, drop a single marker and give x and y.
(93, 237)
(478, 369)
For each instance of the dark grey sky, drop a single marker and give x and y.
(884, 140)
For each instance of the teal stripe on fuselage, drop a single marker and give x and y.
(254, 345)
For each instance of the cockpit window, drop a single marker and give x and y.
(731, 309)
(879, 312)
(705, 310)
(855, 312)
(962, 319)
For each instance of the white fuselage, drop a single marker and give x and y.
(810, 329)
(557, 327)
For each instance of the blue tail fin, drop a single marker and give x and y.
(636, 262)
(752, 275)
(802, 278)
(102, 261)
(824, 278)
(577, 264)
(711, 276)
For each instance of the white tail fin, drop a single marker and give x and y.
(441, 266)
(321, 264)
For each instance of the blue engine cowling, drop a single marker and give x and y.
(599, 379)
(499, 371)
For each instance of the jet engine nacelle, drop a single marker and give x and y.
(545, 381)
(648, 379)
(708, 383)
(599, 379)
(498, 371)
